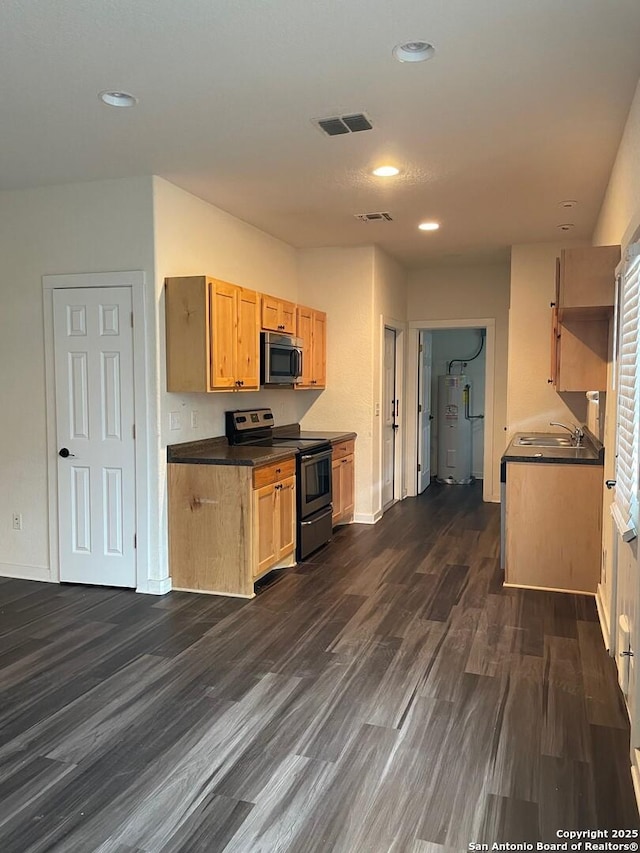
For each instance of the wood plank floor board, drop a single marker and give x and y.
(388, 695)
(605, 705)
(566, 795)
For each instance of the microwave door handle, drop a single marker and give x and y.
(297, 364)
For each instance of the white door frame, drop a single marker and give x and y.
(136, 281)
(489, 492)
(425, 338)
(399, 491)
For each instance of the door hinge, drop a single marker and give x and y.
(419, 407)
(419, 467)
(419, 347)
(132, 319)
(135, 540)
(133, 430)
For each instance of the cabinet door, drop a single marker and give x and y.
(224, 333)
(187, 333)
(270, 313)
(555, 331)
(583, 352)
(304, 330)
(286, 511)
(319, 349)
(288, 317)
(266, 528)
(248, 343)
(587, 276)
(336, 493)
(347, 471)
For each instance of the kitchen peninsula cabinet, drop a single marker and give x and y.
(229, 524)
(553, 526)
(213, 335)
(311, 326)
(278, 315)
(343, 480)
(580, 320)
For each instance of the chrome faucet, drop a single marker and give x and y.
(577, 432)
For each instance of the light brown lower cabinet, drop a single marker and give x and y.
(275, 514)
(553, 526)
(343, 480)
(228, 525)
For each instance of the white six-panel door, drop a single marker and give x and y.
(93, 346)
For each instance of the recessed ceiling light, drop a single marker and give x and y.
(429, 226)
(118, 99)
(386, 171)
(566, 226)
(413, 51)
(568, 203)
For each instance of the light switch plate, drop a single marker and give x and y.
(174, 420)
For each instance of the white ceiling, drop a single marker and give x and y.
(522, 106)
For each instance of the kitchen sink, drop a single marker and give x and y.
(544, 441)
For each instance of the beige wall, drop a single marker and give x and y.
(620, 213)
(532, 402)
(389, 305)
(619, 222)
(194, 238)
(443, 293)
(103, 226)
(340, 282)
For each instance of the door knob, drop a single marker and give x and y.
(64, 452)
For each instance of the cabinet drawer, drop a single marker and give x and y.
(268, 474)
(343, 448)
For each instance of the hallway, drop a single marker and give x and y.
(387, 695)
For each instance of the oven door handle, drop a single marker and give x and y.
(316, 457)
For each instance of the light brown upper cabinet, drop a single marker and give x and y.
(213, 335)
(581, 315)
(311, 326)
(278, 315)
(586, 280)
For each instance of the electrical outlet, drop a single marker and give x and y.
(194, 419)
(175, 421)
(17, 521)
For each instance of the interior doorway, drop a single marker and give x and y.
(389, 418)
(457, 399)
(450, 347)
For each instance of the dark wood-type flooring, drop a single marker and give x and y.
(388, 695)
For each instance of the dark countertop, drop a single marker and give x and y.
(591, 453)
(217, 451)
(333, 437)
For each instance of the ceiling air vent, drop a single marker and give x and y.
(374, 217)
(337, 125)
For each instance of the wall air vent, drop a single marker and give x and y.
(338, 125)
(374, 217)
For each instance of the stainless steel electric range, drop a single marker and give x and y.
(313, 472)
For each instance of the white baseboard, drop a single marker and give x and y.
(603, 618)
(26, 573)
(155, 587)
(367, 517)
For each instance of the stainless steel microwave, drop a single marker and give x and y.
(280, 359)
